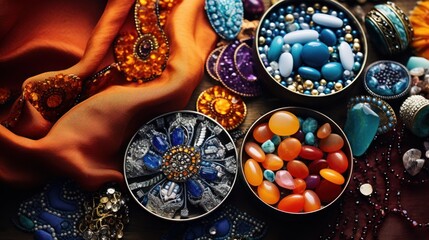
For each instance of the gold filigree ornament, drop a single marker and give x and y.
(143, 55)
(419, 18)
(222, 105)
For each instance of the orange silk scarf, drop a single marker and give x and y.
(87, 143)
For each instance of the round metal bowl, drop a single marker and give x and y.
(281, 85)
(301, 113)
(180, 166)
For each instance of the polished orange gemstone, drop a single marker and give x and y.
(272, 162)
(297, 169)
(289, 149)
(262, 133)
(222, 105)
(324, 131)
(300, 185)
(332, 176)
(312, 201)
(292, 203)
(254, 151)
(338, 161)
(283, 123)
(331, 143)
(268, 192)
(253, 172)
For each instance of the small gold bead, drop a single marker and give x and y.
(317, 6)
(338, 86)
(300, 88)
(308, 84)
(289, 18)
(292, 88)
(348, 37)
(310, 10)
(356, 47)
(295, 84)
(314, 92)
(325, 9)
(311, 23)
(323, 82)
(261, 40)
(277, 78)
(356, 40)
(331, 49)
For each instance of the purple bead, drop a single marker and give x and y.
(312, 181)
(253, 8)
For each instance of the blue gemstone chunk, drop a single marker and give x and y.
(177, 137)
(309, 73)
(42, 235)
(399, 87)
(268, 146)
(309, 125)
(152, 161)
(296, 50)
(275, 49)
(222, 227)
(195, 188)
(383, 90)
(372, 83)
(160, 143)
(310, 139)
(332, 71)
(328, 37)
(208, 173)
(360, 127)
(315, 54)
(269, 175)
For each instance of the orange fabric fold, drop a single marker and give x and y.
(87, 143)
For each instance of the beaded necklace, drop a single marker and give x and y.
(375, 190)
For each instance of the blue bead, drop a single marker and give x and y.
(194, 188)
(310, 139)
(152, 161)
(222, 227)
(309, 125)
(328, 37)
(42, 235)
(296, 55)
(332, 71)
(208, 173)
(289, 9)
(315, 54)
(275, 48)
(309, 73)
(178, 137)
(282, 11)
(160, 143)
(269, 175)
(268, 146)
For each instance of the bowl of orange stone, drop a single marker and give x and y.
(296, 160)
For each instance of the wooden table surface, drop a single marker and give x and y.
(145, 226)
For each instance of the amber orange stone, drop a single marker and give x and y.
(324, 131)
(297, 169)
(331, 143)
(289, 149)
(253, 172)
(262, 133)
(284, 123)
(312, 201)
(300, 185)
(328, 191)
(254, 151)
(272, 162)
(268, 192)
(222, 105)
(338, 161)
(332, 176)
(292, 203)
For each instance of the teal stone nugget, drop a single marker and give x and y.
(269, 175)
(225, 16)
(310, 139)
(332, 71)
(315, 54)
(309, 125)
(360, 127)
(309, 73)
(296, 51)
(276, 140)
(328, 37)
(275, 49)
(268, 146)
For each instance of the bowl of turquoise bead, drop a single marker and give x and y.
(310, 53)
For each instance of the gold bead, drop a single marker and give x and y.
(295, 84)
(289, 18)
(261, 40)
(300, 88)
(356, 47)
(311, 23)
(323, 82)
(325, 9)
(310, 10)
(338, 86)
(292, 88)
(317, 5)
(331, 49)
(298, 78)
(277, 78)
(308, 84)
(314, 92)
(356, 40)
(348, 29)
(348, 37)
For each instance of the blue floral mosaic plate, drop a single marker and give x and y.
(181, 165)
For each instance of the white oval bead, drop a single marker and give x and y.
(346, 56)
(285, 64)
(301, 36)
(327, 20)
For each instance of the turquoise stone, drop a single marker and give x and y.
(177, 137)
(276, 140)
(152, 161)
(269, 175)
(416, 62)
(268, 146)
(225, 17)
(296, 51)
(399, 87)
(332, 71)
(421, 123)
(275, 49)
(26, 223)
(309, 73)
(42, 235)
(383, 90)
(328, 37)
(160, 143)
(310, 139)
(360, 127)
(195, 188)
(208, 173)
(372, 83)
(315, 54)
(309, 125)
